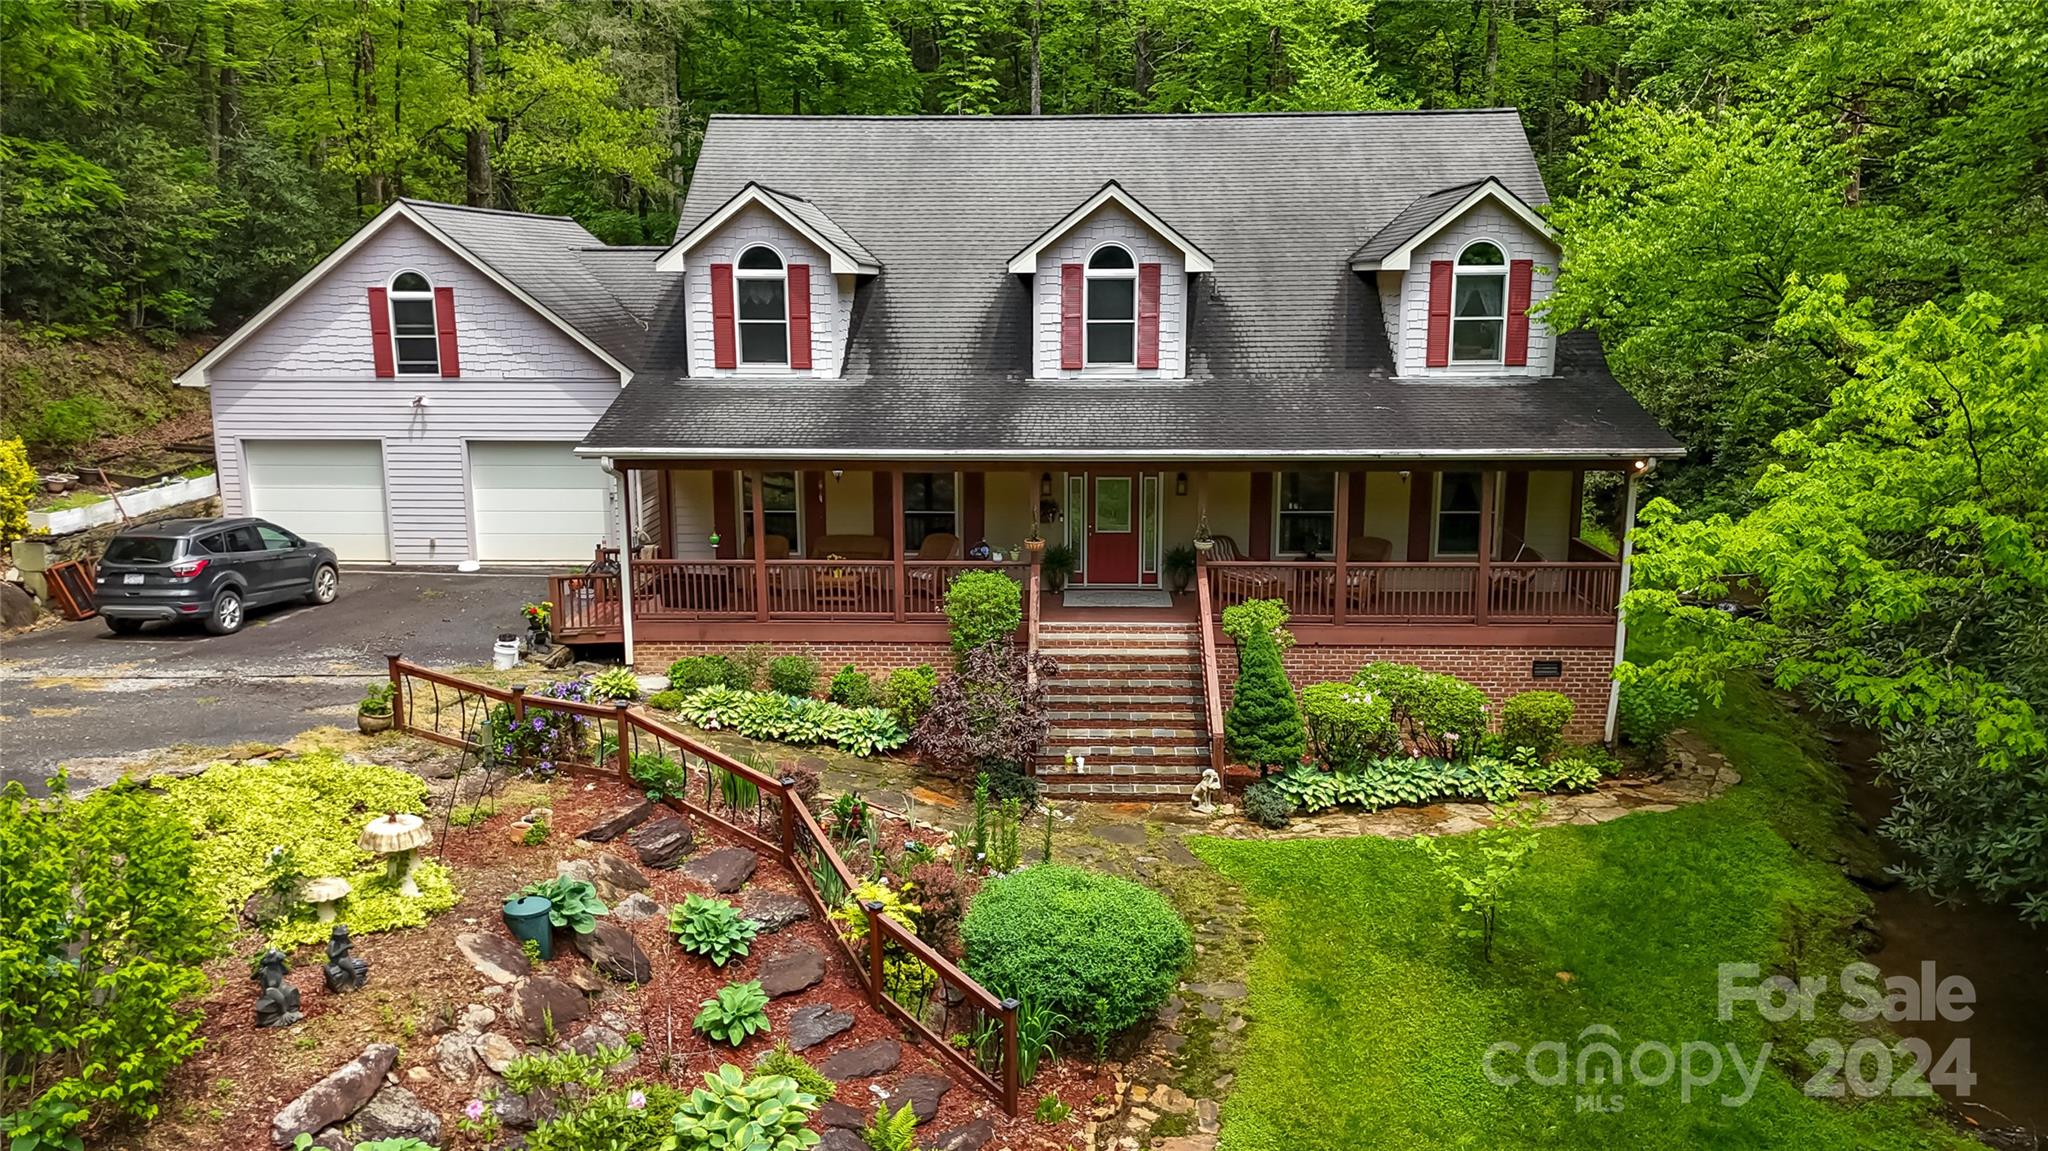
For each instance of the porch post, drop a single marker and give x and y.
(627, 498)
(668, 519)
(760, 532)
(896, 534)
(1482, 607)
(1628, 544)
(1341, 547)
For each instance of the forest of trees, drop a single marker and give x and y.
(1813, 235)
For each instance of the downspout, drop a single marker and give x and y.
(626, 560)
(1628, 546)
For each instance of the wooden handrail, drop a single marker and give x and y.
(1212, 691)
(1031, 627)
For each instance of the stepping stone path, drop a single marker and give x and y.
(662, 841)
(332, 1100)
(541, 998)
(922, 1092)
(834, 1114)
(615, 953)
(864, 1062)
(841, 1139)
(970, 1137)
(495, 957)
(792, 972)
(725, 870)
(616, 873)
(815, 1024)
(617, 823)
(774, 910)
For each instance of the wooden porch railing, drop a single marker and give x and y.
(1421, 592)
(763, 811)
(1555, 591)
(792, 589)
(1212, 691)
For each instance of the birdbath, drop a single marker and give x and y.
(396, 837)
(323, 894)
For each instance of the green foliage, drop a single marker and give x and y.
(668, 700)
(377, 698)
(612, 1121)
(694, 672)
(853, 914)
(316, 803)
(891, 1132)
(18, 487)
(1263, 726)
(1057, 567)
(563, 1072)
(734, 1012)
(658, 775)
(1441, 715)
(748, 666)
(788, 1064)
(68, 424)
(108, 920)
(907, 693)
(941, 895)
(1267, 804)
(1051, 1109)
(712, 928)
(1347, 725)
(1651, 707)
(852, 687)
(572, 903)
(734, 1113)
(984, 607)
(1103, 952)
(772, 715)
(793, 675)
(990, 712)
(51, 1124)
(536, 832)
(1003, 852)
(1246, 622)
(614, 683)
(1535, 720)
(1038, 1035)
(1483, 866)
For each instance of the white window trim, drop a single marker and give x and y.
(1459, 270)
(746, 511)
(762, 367)
(1089, 275)
(1487, 476)
(959, 494)
(392, 297)
(1278, 511)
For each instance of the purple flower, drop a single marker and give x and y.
(474, 1109)
(546, 766)
(536, 723)
(636, 1099)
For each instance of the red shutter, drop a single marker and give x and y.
(1519, 272)
(1261, 542)
(724, 520)
(1070, 315)
(800, 316)
(1439, 314)
(1148, 315)
(380, 334)
(444, 327)
(725, 351)
(973, 508)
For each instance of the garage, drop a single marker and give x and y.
(327, 491)
(535, 501)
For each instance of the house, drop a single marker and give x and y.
(882, 350)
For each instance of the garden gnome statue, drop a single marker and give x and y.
(277, 1005)
(1204, 796)
(344, 971)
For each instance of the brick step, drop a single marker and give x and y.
(1092, 684)
(1126, 696)
(1077, 716)
(1132, 669)
(1121, 769)
(1095, 744)
(1163, 790)
(1110, 653)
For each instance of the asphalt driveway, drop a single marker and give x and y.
(78, 691)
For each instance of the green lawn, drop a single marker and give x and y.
(1371, 1016)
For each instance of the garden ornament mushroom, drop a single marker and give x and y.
(396, 837)
(323, 894)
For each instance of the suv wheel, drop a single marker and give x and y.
(123, 626)
(326, 584)
(226, 618)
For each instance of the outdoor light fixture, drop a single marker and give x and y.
(1180, 484)
(1045, 485)
(838, 474)
(1404, 475)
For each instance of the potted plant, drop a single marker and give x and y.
(1203, 540)
(1180, 567)
(1034, 544)
(1058, 567)
(374, 713)
(539, 617)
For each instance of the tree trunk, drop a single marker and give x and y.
(1141, 60)
(366, 88)
(476, 155)
(228, 111)
(1036, 11)
(1493, 53)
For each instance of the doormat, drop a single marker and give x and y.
(1118, 597)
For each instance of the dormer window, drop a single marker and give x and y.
(1112, 307)
(1479, 304)
(761, 293)
(415, 338)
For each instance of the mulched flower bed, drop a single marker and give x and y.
(227, 1095)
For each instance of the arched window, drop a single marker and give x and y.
(1479, 304)
(1111, 304)
(760, 286)
(414, 337)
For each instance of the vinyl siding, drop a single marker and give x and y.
(1103, 225)
(1404, 298)
(831, 296)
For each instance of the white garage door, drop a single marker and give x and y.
(328, 491)
(535, 501)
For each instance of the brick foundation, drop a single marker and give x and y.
(877, 658)
(1498, 671)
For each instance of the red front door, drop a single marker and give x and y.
(1112, 527)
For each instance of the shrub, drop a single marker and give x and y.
(1102, 951)
(1267, 805)
(68, 423)
(942, 896)
(377, 698)
(1009, 781)
(784, 1062)
(109, 917)
(699, 671)
(989, 712)
(658, 775)
(536, 833)
(733, 1113)
(18, 487)
(572, 903)
(1263, 726)
(852, 687)
(984, 607)
(666, 700)
(639, 1116)
(1442, 715)
(748, 665)
(614, 683)
(908, 693)
(1347, 725)
(793, 675)
(1650, 710)
(1535, 720)
(734, 1012)
(712, 928)
(1243, 622)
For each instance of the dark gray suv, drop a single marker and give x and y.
(209, 570)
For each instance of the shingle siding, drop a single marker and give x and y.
(1404, 299)
(1110, 223)
(831, 296)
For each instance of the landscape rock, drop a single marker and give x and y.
(617, 823)
(475, 1019)
(841, 1139)
(596, 1036)
(496, 1051)
(922, 1092)
(336, 1097)
(616, 873)
(585, 980)
(455, 1055)
(725, 870)
(833, 1113)
(394, 1113)
(774, 910)
(662, 841)
(864, 1062)
(615, 953)
(815, 1024)
(792, 972)
(634, 908)
(496, 957)
(970, 1137)
(17, 607)
(541, 998)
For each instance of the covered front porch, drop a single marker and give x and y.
(862, 551)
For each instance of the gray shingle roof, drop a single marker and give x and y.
(823, 224)
(1426, 210)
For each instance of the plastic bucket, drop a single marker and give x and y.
(527, 916)
(505, 656)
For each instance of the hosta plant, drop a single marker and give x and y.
(712, 928)
(732, 1113)
(735, 1012)
(572, 903)
(615, 683)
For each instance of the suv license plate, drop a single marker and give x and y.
(132, 577)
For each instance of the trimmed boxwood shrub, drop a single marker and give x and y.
(700, 671)
(1535, 720)
(852, 688)
(983, 607)
(1102, 951)
(908, 692)
(1348, 726)
(795, 675)
(1267, 805)
(1441, 714)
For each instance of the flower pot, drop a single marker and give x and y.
(372, 724)
(1034, 550)
(1205, 546)
(527, 917)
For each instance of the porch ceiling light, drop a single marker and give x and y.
(838, 474)
(1045, 485)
